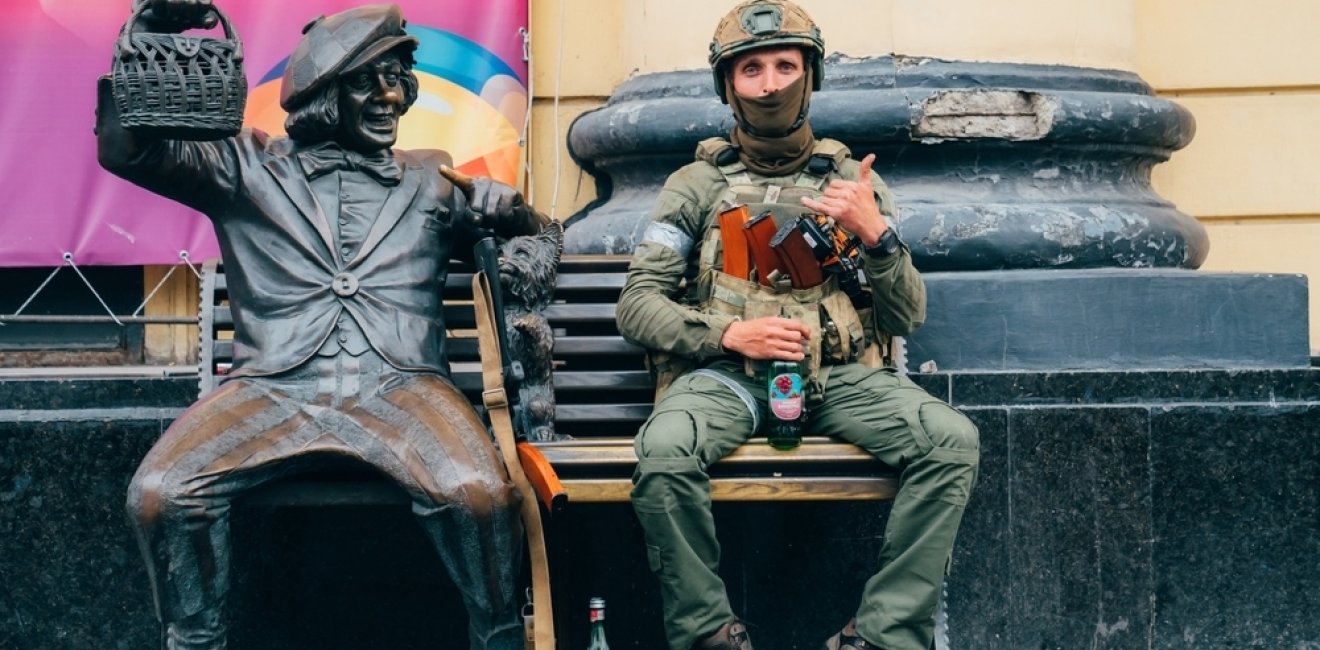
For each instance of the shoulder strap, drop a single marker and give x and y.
(826, 158)
(832, 149)
(721, 155)
(709, 150)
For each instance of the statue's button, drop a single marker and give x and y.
(344, 284)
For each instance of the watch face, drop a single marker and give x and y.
(889, 241)
(887, 245)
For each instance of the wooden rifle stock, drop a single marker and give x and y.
(734, 239)
(759, 231)
(796, 255)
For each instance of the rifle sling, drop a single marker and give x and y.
(497, 407)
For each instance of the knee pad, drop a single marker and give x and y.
(667, 434)
(948, 427)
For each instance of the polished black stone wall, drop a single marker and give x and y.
(1153, 509)
(1100, 319)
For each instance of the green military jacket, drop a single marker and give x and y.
(656, 312)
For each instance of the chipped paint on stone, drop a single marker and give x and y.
(983, 113)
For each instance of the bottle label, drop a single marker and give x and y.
(597, 615)
(786, 396)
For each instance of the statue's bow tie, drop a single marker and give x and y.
(317, 162)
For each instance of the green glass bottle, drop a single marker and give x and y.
(788, 405)
(596, 607)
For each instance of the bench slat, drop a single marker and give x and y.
(465, 348)
(619, 451)
(560, 315)
(591, 281)
(583, 413)
(460, 284)
(568, 345)
(612, 380)
(800, 488)
(604, 380)
(568, 265)
(572, 264)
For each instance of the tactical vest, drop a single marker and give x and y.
(841, 333)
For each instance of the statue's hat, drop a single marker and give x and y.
(341, 43)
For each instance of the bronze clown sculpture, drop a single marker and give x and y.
(336, 247)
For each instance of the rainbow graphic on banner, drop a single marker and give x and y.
(468, 99)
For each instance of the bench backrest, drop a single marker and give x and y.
(602, 387)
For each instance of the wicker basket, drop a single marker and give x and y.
(176, 86)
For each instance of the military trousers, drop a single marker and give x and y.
(708, 413)
(417, 429)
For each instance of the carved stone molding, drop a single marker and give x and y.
(994, 166)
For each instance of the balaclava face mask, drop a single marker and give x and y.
(772, 133)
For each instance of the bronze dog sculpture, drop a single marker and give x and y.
(528, 267)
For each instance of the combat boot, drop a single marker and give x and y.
(204, 630)
(847, 639)
(731, 636)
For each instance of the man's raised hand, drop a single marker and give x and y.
(852, 205)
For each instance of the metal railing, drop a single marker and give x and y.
(136, 318)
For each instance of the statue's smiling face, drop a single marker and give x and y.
(371, 99)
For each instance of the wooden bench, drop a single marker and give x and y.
(603, 393)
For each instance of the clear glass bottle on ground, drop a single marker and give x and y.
(596, 608)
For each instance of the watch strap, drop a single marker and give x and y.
(888, 245)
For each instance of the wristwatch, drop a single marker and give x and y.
(888, 245)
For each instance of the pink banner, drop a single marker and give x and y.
(55, 199)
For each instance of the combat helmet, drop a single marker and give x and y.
(765, 23)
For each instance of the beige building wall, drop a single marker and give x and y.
(1249, 72)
